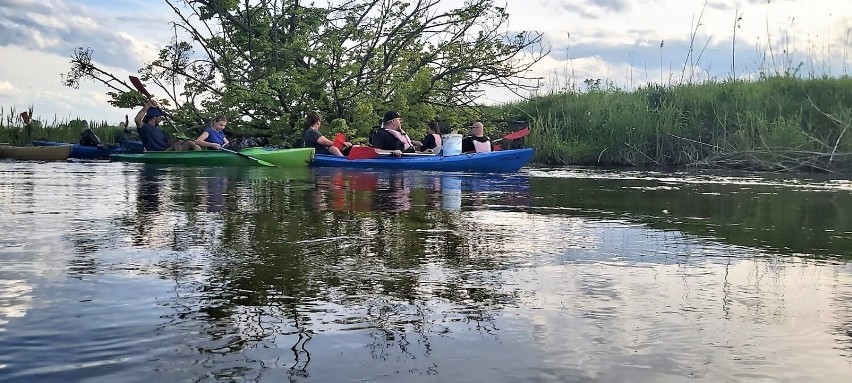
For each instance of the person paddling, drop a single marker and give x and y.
(314, 139)
(153, 138)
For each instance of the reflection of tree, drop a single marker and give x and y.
(279, 271)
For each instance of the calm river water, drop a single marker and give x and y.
(124, 273)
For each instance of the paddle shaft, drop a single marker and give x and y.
(259, 161)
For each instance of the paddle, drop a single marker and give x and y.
(361, 152)
(339, 141)
(259, 161)
(514, 135)
(366, 152)
(141, 88)
(25, 116)
(511, 136)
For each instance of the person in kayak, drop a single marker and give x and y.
(153, 138)
(392, 137)
(314, 139)
(432, 142)
(476, 141)
(213, 136)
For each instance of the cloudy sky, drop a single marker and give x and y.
(626, 42)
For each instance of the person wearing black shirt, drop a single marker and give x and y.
(392, 137)
(314, 139)
(432, 142)
(477, 141)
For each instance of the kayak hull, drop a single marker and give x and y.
(299, 157)
(503, 161)
(95, 152)
(35, 153)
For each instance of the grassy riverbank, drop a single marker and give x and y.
(778, 123)
(15, 131)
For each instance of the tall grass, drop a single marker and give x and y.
(15, 131)
(776, 123)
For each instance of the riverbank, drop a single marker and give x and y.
(774, 124)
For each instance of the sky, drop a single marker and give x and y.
(626, 43)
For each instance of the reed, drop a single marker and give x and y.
(775, 123)
(14, 130)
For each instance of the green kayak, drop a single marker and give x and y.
(298, 157)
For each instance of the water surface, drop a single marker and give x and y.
(118, 272)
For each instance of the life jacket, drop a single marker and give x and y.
(406, 142)
(439, 142)
(482, 146)
(215, 136)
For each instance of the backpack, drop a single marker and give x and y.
(89, 138)
(373, 133)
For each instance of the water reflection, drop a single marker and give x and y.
(782, 213)
(402, 191)
(183, 274)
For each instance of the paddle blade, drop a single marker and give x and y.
(361, 152)
(339, 141)
(25, 116)
(139, 86)
(517, 134)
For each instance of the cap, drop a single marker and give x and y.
(390, 116)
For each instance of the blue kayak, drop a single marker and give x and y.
(95, 152)
(502, 161)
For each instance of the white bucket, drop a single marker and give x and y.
(452, 144)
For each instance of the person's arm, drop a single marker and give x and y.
(202, 141)
(140, 116)
(325, 142)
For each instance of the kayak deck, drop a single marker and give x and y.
(299, 157)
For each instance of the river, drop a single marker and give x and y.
(115, 272)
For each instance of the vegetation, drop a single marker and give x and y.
(14, 130)
(269, 62)
(776, 123)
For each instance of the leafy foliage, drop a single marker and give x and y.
(269, 62)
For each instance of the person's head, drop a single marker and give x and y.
(477, 129)
(392, 120)
(313, 119)
(219, 123)
(432, 128)
(153, 116)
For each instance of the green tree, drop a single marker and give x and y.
(269, 62)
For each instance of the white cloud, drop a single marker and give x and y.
(7, 89)
(614, 40)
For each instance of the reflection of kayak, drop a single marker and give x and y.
(35, 153)
(92, 152)
(299, 157)
(493, 162)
